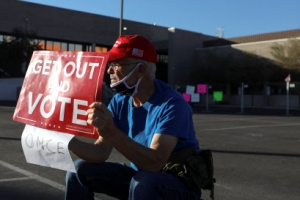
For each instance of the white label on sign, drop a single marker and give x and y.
(47, 148)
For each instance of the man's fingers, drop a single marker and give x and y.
(92, 120)
(97, 111)
(92, 105)
(96, 105)
(93, 115)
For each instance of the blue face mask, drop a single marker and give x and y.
(123, 88)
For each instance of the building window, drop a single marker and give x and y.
(42, 44)
(88, 48)
(49, 45)
(78, 47)
(75, 47)
(71, 47)
(56, 46)
(97, 49)
(64, 46)
(100, 49)
(162, 58)
(6, 38)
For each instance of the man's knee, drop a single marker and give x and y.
(145, 184)
(147, 178)
(78, 165)
(159, 185)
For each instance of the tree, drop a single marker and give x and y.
(16, 51)
(287, 55)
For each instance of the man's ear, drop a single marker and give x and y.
(142, 69)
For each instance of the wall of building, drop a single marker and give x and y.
(278, 101)
(64, 24)
(10, 88)
(265, 101)
(262, 49)
(181, 50)
(68, 25)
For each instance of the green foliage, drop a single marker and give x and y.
(287, 55)
(16, 52)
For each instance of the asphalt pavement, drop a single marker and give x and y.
(256, 156)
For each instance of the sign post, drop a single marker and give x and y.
(207, 95)
(287, 80)
(242, 95)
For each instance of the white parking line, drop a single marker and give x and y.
(33, 176)
(255, 126)
(14, 179)
(30, 175)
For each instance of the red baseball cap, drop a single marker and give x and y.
(133, 46)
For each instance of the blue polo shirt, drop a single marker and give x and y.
(166, 112)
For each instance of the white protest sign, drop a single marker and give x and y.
(190, 89)
(292, 85)
(58, 89)
(195, 97)
(47, 148)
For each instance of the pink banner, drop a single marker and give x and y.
(187, 97)
(201, 88)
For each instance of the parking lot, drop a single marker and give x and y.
(256, 156)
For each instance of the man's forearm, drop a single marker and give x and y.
(143, 157)
(88, 151)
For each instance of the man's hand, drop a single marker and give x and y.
(149, 159)
(101, 118)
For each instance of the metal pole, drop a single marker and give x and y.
(287, 97)
(121, 18)
(242, 97)
(207, 97)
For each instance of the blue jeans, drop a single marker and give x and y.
(122, 182)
